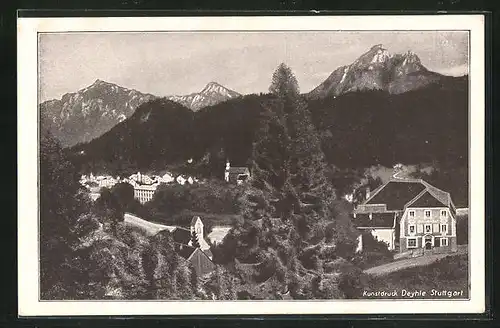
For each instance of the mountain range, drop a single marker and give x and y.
(88, 113)
(84, 115)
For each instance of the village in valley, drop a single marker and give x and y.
(410, 216)
(189, 241)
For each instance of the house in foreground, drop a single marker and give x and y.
(424, 215)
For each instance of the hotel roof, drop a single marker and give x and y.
(399, 193)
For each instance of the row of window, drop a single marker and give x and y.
(428, 228)
(144, 195)
(427, 213)
(412, 242)
(147, 192)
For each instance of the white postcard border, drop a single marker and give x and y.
(28, 296)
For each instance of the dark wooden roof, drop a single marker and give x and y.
(427, 200)
(396, 194)
(378, 220)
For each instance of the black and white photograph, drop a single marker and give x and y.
(260, 166)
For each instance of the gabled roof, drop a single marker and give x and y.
(439, 194)
(185, 251)
(426, 199)
(378, 220)
(194, 219)
(397, 193)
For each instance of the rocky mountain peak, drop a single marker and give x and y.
(89, 112)
(411, 57)
(99, 83)
(212, 94)
(377, 69)
(214, 87)
(376, 55)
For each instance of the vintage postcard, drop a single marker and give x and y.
(251, 165)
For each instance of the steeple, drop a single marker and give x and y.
(197, 230)
(226, 172)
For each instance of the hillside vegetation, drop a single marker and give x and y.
(356, 130)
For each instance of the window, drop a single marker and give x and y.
(411, 243)
(428, 228)
(411, 214)
(444, 241)
(411, 228)
(443, 227)
(444, 213)
(427, 214)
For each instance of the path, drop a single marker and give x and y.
(412, 262)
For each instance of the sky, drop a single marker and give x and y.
(179, 63)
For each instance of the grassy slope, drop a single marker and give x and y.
(449, 273)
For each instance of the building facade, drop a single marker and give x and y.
(144, 193)
(428, 227)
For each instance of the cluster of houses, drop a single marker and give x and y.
(144, 185)
(409, 213)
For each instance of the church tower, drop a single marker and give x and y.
(226, 172)
(197, 228)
